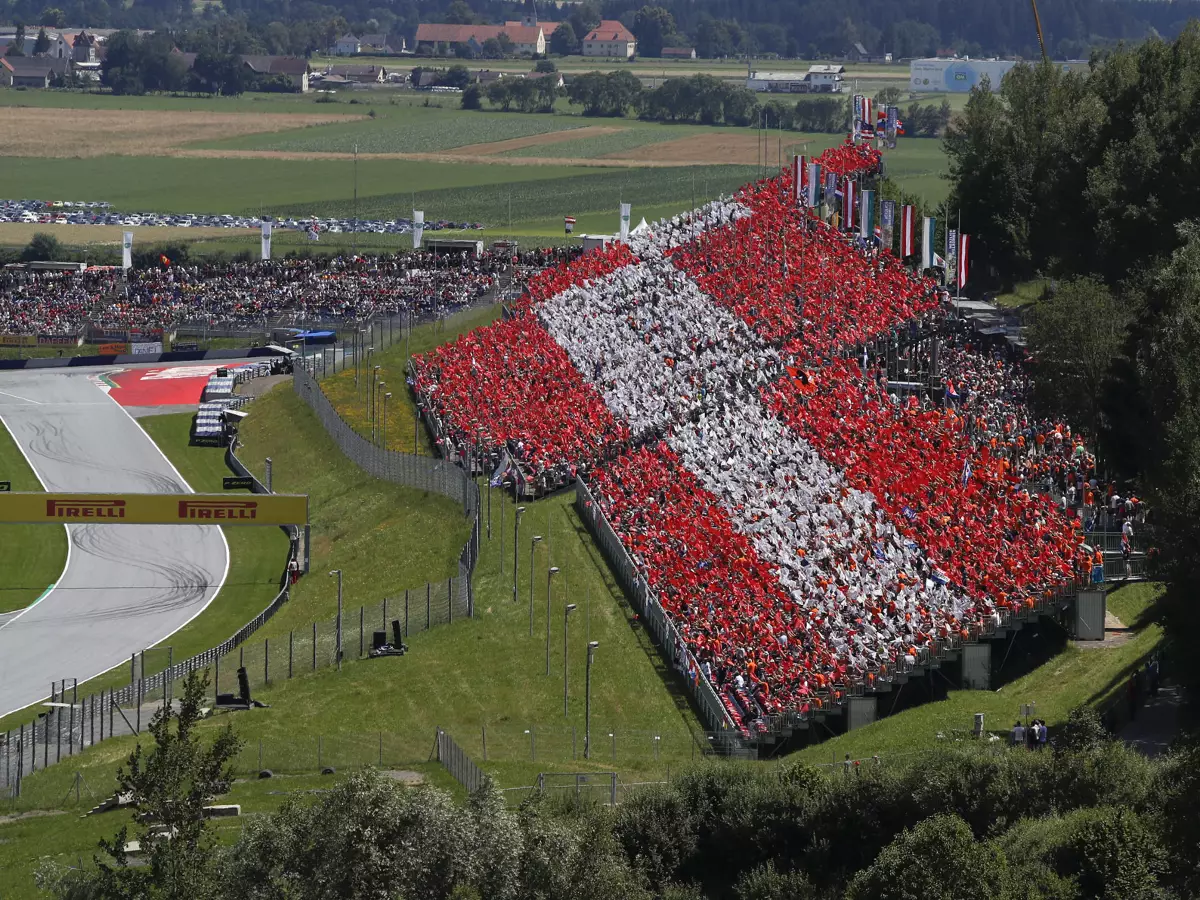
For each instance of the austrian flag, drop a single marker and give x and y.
(704, 382)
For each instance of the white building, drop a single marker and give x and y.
(610, 39)
(821, 79)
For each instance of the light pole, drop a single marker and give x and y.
(587, 702)
(379, 388)
(516, 539)
(386, 397)
(366, 368)
(371, 399)
(567, 610)
(553, 570)
(537, 539)
(338, 648)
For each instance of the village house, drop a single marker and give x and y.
(610, 39)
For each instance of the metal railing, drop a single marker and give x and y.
(665, 634)
(455, 761)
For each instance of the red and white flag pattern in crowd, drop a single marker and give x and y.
(800, 528)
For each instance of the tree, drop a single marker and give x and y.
(52, 17)
(652, 26)
(765, 883)
(17, 46)
(583, 18)
(888, 96)
(938, 859)
(456, 76)
(42, 246)
(499, 93)
(459, 13)
(491, 49)
(1074, 336)
(547, 93)
(1113, 855)
(545, 66)
(42, 45)
(170, 786)
(472, 97)
(564, 41)
(1083, 733)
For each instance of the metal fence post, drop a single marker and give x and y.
(266, 660)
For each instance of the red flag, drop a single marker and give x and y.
(166, 262)
(848, 193)
(908, 231)
(799, 169)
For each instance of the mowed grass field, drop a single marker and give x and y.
(517, 174)
(33, 555)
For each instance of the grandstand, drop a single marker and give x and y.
(817, 482)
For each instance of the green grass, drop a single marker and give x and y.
(1023, 293)
(383, 536)
(164, 184)
(918, 166)
(405, 130)
(393, 365)
(1071, 677)
(541, 204)
(247, 103)
(34, 555)
(256, 560)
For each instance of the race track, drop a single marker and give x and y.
(125, 587)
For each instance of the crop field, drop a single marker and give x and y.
(407, 130)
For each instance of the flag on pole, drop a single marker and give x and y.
(266, 240)
(908, 231)
(814, 184)
(887, 216)
(569, 224)
(856, 118)
(127, 250)
(964, 244)
(927, 251)
(625, 211)
(799, 170)
(418, 227)
(866, 216)
(849, 193)
(314, 231)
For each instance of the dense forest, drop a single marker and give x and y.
(808, 28)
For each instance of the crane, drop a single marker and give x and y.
(1037, 20)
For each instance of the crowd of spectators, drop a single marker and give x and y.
(804, 527)
(253, 294)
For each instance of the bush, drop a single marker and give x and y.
(472, 97)
(42, 246)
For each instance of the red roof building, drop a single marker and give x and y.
(610, 39)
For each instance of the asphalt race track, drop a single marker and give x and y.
(125, 587)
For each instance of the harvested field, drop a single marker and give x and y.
(18, 234)
(80, 133)
(742, 147)
(444, 156)
(535, 140)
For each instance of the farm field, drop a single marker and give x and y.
(518, 174)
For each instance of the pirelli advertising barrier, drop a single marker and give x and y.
(154, 509)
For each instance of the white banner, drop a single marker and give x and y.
(418, 227)
(146, 348)
(127, 250)
(625, 211)
(266, 240)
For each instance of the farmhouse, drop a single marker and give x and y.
(293, 68)
(35, 72)
(444, 39)
(359, 74)
(611, 39)
(346, 45)
(382, 43)
(678, 52)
